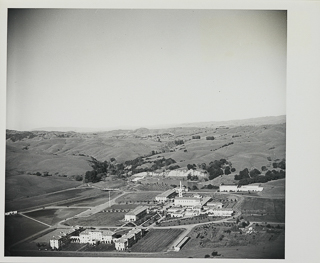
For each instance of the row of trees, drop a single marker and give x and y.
(270, 175)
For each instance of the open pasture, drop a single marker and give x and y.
(135, 197)
(273, 189)
(101, 198)
(18, 227)
(53, 216)
(156, 240)
(263, 209)
(53, 198)
(23, 185)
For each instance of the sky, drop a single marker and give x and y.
(117, 68)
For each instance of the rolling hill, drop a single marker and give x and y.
(68, 153)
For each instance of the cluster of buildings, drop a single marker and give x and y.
(242, 188)
(189, 206)
(94, 237)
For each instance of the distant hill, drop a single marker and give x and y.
(233, 123)
(68, 153)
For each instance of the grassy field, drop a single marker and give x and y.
(99, 219)
(44, 200)
(100, 198)
(53, 216)
(263, 209)
(23, 185)
(156, 240)
(134, 197)
(273, 189)
(18, 227)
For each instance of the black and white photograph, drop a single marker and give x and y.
(146, 133)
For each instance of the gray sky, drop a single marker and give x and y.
(111, 68)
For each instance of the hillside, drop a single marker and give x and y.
(68, 153)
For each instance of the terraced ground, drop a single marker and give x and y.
(156, 240)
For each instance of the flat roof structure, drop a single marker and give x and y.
(166, 193)
(137, 210)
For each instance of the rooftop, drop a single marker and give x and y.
(137, 210)
(166, 193)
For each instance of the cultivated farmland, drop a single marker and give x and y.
(157, 240)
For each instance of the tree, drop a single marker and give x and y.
(190, 166)
(194, 187)
(79, 178)
(263, 168)
(227, 170)
(255, 172)
(233, 170)
(207, 256)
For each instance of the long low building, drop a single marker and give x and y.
(136, 213)
(220, 212)
(228, 188)
(181, 243)
(187, 201)
(251, 188)
(236, 188)
(163, 197)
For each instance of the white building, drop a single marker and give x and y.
(55, 243)
(129, 239)
(94, 236)
(251, 188)
(220, 212)
(187, 201)
(228, 188)
(215, 205)
(136, 214)
(177, 213)
(178, 246)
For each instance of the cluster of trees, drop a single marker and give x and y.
(192, 177)
(281, 164)
(210, 186)
(191, 166)
(270, 175)
(179, 142)
(216, 167)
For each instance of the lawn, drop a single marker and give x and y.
(263, 209)
(156, 240)
(18, 227)
(53, 216)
